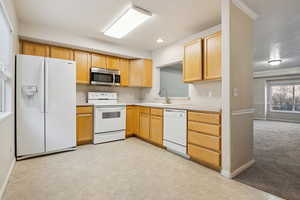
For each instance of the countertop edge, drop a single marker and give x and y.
(179, 107)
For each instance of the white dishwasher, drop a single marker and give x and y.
(175, 131)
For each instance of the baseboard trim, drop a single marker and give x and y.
(239, 170)
(2, 190)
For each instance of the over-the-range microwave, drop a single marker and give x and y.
(100, 76)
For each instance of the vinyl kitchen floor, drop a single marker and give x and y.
(123, 170)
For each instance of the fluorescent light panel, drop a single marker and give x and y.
(133, 17)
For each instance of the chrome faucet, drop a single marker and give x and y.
(167, 99)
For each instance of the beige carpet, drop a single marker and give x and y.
(123, 170)
(277, 156)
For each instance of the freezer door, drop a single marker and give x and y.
(30, 105)
(60, 104)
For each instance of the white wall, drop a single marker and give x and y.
(207, 93)
(125, 95)
(58, 37)
(259, 90)
(7, 141)
(237, 82)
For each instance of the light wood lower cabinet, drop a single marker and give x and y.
(205, 156)
(144, 125)
(132, 120)
(156, 130)
(84, 125)
(204, 138)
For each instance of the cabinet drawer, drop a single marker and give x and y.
(208, 141)
(212, 118)
(145, 110)
(204, 155)
(157, 111)
(84, 109)
(204, 128)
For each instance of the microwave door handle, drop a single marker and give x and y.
(114, 79)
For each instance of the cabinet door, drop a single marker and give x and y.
(212, 57)
(137, 120)
(124, 67)
(84, 129)
(135, 71)
(144, 126)
(112, 63)
(156, 130)
(61, 53)
(35, 49)
(130, 121)
(147, 73)
(82, 67)
(140, 73)
(192, 65)
(98, 60)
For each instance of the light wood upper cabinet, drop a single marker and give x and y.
(147, 73)
(212, 57)
(135, 71)
(61, 53)
(98, 60)
(83, 60)
(34, 49)
(192, 64)
(112, 63)
(124, 67)
(140, 73)
(84, 125)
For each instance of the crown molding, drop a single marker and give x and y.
(241, 5)
(277, 72)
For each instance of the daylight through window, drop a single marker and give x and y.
(285, 97)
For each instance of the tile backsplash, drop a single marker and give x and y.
(125, 95)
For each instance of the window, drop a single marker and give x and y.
(285, 96)
(5, 57)
(171, 83)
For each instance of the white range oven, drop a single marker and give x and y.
(109, 117)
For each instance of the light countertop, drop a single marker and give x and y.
(170, 106)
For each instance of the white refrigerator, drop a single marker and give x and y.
(45, 105)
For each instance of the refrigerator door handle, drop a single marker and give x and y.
(42, 89)
(46, 87)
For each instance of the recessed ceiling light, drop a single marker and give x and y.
(128, 21)
(159, 40)
(275, 62)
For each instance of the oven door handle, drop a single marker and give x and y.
(110, 109)
(114, 79)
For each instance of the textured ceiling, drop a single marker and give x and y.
(172, 19)
(277, 33)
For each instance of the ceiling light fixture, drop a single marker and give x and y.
(128, 21)
(159, 40)
(274, 62)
